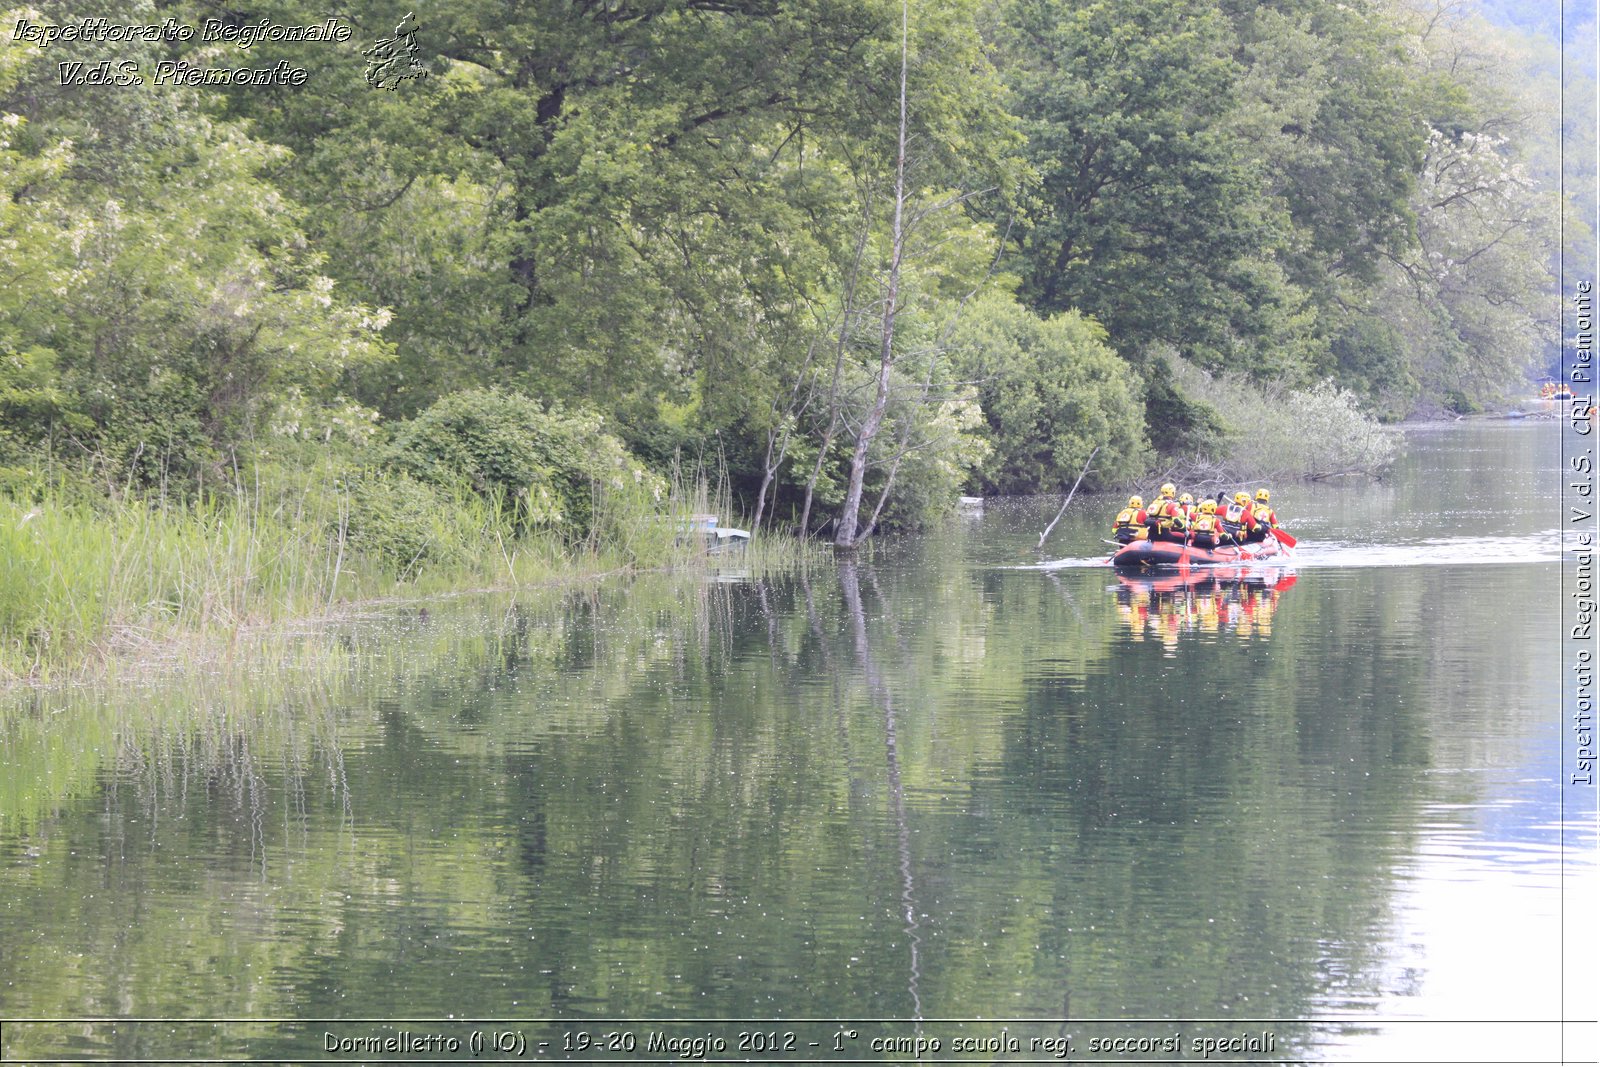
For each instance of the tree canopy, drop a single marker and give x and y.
(679, 216)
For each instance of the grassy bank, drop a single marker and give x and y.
(89, 582)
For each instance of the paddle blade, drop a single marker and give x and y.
(1287, 541)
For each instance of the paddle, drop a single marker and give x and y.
(1284, 538)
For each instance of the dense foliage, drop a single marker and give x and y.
(1052, 393)
(635, 215)
(542, 467)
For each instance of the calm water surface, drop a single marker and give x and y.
(958, 791)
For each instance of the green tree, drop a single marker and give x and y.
(1051, 392)
(1152, 215)
(635, 207)
(32, 403)
(1466, 302)
(1224, 179)
(1328, 102)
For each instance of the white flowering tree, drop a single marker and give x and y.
(157, 285)
(29, 394)
(1469, 299)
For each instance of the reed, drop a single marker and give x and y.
(87, 581)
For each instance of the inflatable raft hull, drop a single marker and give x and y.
(1141, 555)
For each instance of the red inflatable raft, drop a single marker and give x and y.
(1144, 554)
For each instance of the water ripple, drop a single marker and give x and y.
(1541, 547)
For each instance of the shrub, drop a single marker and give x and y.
(1179, 425)
(541, 468)
(1051, 392)
(404, 524)
(1370, 355)
(1275, 430)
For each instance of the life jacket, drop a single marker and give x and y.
(1208, 525)
(1128, 522)
(1258, 520)
(1233, 519)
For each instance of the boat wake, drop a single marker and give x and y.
(1542, 547)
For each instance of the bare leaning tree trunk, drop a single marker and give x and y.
(845, 537)
(847, 324)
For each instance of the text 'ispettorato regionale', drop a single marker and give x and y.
(177, 72)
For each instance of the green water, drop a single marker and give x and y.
(958, 790)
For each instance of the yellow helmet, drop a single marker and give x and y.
(1136, 501)
(1208, 506)
(1263, 496)
(1186, 499)
(1241, 497)
(1169, 489)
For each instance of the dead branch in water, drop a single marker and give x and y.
(1067, 501)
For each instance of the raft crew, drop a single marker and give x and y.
(1132, 522)
(1187, 514)
(1213, 523)
(1236, 516)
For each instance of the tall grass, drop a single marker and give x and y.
(85, 580)
(79, 579)
(694, 489)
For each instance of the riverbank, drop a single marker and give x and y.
(484, 491)
(97, 588)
